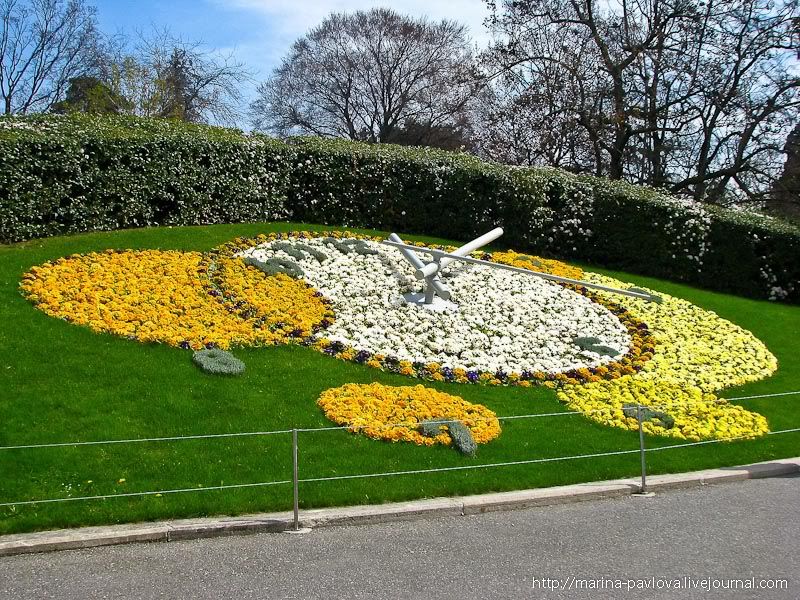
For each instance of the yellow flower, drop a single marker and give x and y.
(160, 296)
(394, 413)
(696, 354)
(536, 263)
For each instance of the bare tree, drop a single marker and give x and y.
(694, 96)
(743, 102)
(43, 44)
(162, 75)
(363, 75)
(598, 53)
(530, 113)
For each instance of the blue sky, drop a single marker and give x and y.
(259, 32)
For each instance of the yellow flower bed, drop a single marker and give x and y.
(289, 305)
(158, 296)
(696, 354)
(537, 263)
(395, 412)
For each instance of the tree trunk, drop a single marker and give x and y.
(785, 199)
(616, 164)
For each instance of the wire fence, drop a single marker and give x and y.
(355, 428)
(296, 479)
(149, 493)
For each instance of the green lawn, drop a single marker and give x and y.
(61, 382)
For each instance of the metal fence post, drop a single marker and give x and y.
(643, 489)
(295, 482)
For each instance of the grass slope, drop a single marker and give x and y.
(61, 382)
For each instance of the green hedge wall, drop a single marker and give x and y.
(77, 173)
(71, 174)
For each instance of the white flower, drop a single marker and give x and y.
(503, 321)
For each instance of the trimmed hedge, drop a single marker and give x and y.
(548, 211)
(71, 174)
(79, 173)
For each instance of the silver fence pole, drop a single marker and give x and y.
(641, 449)
(295, 482)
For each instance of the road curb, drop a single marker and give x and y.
(186, 529)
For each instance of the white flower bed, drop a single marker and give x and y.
(504, 321)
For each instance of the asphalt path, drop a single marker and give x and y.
(737, 534)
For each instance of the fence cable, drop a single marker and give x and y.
(765, 395)
(384, 474)
(356, 428)
(150, 493)
(153, 439)
(531, 461)
(716, 441)
(467, 467)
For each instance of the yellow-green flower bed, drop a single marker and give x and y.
(696, 354)
(394, 413)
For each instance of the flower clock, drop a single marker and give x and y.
(346, 296)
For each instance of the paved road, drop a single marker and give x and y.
(734, 530)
